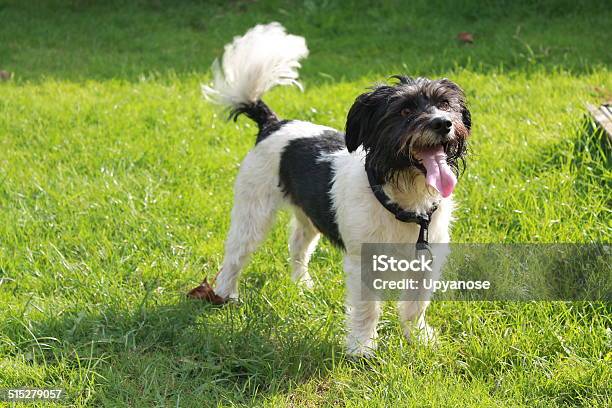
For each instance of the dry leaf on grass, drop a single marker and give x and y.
(465, 37)
(5, 75)
(206, 292)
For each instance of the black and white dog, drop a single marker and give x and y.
(405, 139)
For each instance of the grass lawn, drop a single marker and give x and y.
(115, 191)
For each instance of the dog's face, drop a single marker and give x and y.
(394, 123)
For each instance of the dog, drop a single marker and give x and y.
(402, 150)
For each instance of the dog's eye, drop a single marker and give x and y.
(405, 112)
(444, 106)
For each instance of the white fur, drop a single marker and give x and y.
(264, 57)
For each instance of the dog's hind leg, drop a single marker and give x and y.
(303, 241)
(249, 225)
(256, 201)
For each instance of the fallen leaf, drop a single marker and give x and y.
(5, 75)
(205, 292)
(465, 37)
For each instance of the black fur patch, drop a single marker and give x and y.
(306, 177)
(260, 113)
(270, 128)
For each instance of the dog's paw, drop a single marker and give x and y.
(360, 353)
(358, 349)
(426, 335)
(306, 281)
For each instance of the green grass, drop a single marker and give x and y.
(115, 191)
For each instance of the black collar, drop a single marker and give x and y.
(401, 214)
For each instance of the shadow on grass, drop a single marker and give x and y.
(87, 39)
(191, 352)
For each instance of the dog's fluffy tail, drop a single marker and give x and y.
(251, 65)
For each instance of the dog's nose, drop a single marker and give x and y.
(441, 126)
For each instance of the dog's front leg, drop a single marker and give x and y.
(362, 315)
(412, 312)
(412, 319)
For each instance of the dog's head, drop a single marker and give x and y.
(418, 124)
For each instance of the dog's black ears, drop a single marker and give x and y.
(362, 119)
(466, 117)
(355, 123)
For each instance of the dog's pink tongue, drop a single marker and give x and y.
(439, 174)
